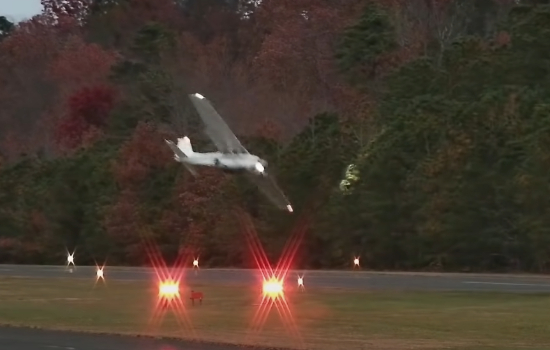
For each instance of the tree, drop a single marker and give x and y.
(124, 229)
(5, 27)
(26, 93)
(141, 155)
(439, 186)
(296, 54)
(88, 111)
(114, 23)
(443, 138)
(362, 46)
(72, 8)
(80, 64)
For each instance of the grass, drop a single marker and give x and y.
(325, 319)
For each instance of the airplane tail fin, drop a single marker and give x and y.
(184, 144)
(181, 151)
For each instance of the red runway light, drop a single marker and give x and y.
(169, 290)
(273, 288)
(169, 286)
(272, 279)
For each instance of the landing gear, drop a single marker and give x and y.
(217, 162)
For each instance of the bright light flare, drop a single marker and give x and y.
(70, 259)
(300, 281)
(356, 262)
(273, 288)
(259, 167)
(99, 273)
(169, 290)
(196, 263)
(169, 285)
(289, 208)
(272, 278)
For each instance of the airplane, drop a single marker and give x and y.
(231, 157)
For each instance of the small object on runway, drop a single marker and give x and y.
(196, 296)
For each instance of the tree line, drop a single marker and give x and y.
(411, 133)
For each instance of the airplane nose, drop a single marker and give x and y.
(259, 167)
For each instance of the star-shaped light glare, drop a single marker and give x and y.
(196, 263)
(70, 258)
(273, 288)
(356, 262)
(300, 281)
(272, 278)
(169, 290)
(169, 286)
(99, 273)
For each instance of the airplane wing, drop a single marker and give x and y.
(271, 190)
(215, 127)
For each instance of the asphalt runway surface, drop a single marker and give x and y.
(312, 279)
(36, 339)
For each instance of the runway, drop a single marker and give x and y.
(33, 339)
(36, 339)
(313, 279)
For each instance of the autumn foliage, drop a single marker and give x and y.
(80, 64)
(416, 129)
(87, 111)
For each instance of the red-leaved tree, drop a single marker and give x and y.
(26, 94)
(122, 224)
(192, 199)
(143, 153)
(88, 110)
(80, 64)
(297, 56)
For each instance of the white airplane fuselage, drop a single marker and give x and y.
(230, 162)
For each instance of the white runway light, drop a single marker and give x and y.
(70, 259)
(99, 273)
(301, 282)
